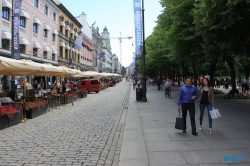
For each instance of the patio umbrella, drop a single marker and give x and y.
(88, 74)
(106, 75)
(18, 67)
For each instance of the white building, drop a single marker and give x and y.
(86, 52)
(106, 48)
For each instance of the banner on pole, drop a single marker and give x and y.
(138, 28)
(15, 26)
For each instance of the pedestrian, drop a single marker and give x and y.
(187, 95)
(247, 86)
(206, 99)
(134, 84)
(41, 84)
(158, 82)
(139, 83)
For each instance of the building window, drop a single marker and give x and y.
(61, 29)
(53, 37)
(6, 44)
(66, 33)
(71, 35)
(75, 37)
(35, 51)
(54, 16)
(46, 10)
(66, 54)
(22, 21)
(5, 13)
(22, 48)
(36, 3)
(45, 33)
(45, 54)
(35, 27)
(53, 57)
(61, 52)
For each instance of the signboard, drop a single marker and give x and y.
(15, 26)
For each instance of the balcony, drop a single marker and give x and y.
(7, 53)
(66, 38)
(63, 60)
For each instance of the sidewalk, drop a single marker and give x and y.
(150, 138)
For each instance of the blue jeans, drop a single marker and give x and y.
(202, 109)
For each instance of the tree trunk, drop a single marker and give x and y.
(194, 74)
(212, 71)
(178, 75)
(232, 74)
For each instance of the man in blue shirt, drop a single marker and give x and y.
(188, 93)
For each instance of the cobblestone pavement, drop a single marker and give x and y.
(88, 133)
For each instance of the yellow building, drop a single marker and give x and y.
(68, 30)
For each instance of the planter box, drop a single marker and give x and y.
(17, 119)
(6, 122)
(35, 112)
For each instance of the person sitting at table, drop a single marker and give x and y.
(5, 99)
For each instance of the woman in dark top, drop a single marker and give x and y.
(206, 99)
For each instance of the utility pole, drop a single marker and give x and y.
(120, 40)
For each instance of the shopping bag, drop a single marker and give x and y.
(215, 113)
(179, 123)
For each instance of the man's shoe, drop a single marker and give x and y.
(195, 134)
(184, 131)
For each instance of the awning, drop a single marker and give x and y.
(25, 14)
(7, 4)
(54, 32)
(37, 21)
(24, 41)
(46, 27)
(72, 49)
(54, 51)
(6, 35)
(62, 23)
(36, 45)
(46, 49)
(62, 44)
(68, 28)
(67, 46)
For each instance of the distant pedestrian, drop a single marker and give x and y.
(206, 99)
(188, 94)
(158, 82)
(139, 83)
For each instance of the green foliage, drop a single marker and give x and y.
(191, 36)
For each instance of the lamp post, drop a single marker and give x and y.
(144, 90)
(12, 82)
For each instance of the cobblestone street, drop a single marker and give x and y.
(89, 132)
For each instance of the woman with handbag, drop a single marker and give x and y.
(206, 99)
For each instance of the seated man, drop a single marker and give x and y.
(5, 99)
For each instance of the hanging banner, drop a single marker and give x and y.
(15, 26)
(138, 28)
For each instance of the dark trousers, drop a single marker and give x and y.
(159, 86)
(191, 108)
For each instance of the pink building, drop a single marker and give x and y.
(38, 30)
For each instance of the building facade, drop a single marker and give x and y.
(38, 30)
(87, 49)
(106, 48)
(69, 29)
(97, 46)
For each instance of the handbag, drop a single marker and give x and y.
(215, 113)
(179, 123)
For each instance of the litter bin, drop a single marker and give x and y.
(138, 94)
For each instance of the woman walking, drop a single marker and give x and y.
(206, 99)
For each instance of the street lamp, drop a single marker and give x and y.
(144, 96)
